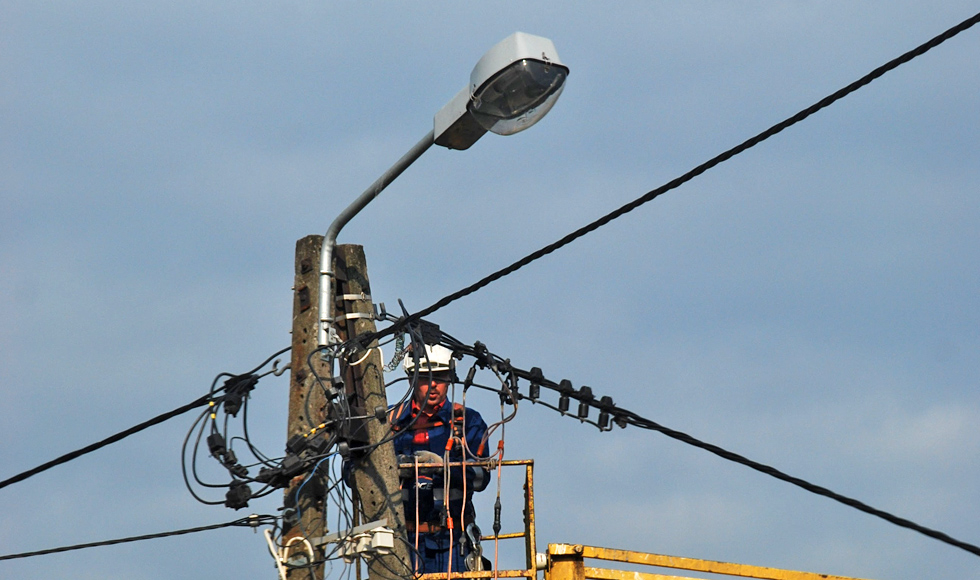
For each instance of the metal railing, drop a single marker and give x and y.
(567, 562)
(528, 533)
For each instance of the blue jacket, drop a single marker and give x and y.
(432, 434)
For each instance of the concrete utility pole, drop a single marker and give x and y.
(302, 384)
(376, 473)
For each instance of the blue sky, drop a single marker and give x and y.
(811, 304)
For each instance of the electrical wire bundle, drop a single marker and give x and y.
(320, 460)
(229, 399)
(611, 414)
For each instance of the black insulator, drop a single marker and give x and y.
(292, 466)
(565, 386)
(536, 378)
(216, 444)
(469, 378)
(236, 391)
(563, 404)
(296, 443)
(583, 410)
(585, 394)
(267, 474)
(536, 375)
(482, 354)
(318, 443)
(603, 420)
(238, 495)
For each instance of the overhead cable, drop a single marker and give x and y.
(107, 441)
(677, 182)
(623, 417)
(200, 402)
(643, 423)
(252, 521)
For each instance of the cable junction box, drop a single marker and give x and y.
(372, 538)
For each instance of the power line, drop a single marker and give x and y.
(107, 441)
(251, 521)
(643, 423)
(677, 182)
(210, 398)
(623, 417)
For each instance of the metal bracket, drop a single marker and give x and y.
(349, 297)
(354, 316)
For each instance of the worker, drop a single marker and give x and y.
(429, 429)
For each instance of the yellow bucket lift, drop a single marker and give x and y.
(567, 561)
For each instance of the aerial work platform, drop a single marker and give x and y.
(567, 561)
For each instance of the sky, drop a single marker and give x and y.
(811, 304)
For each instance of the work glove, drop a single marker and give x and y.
(428, 457)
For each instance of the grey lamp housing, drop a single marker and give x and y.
(512, 87)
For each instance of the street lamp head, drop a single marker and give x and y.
(516, 83)
(512, 87)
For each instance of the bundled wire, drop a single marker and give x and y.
(231, 397)
(610, 413)
(252, 521)
(107, 441)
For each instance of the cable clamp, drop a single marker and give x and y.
(354, 316)
(349, 297)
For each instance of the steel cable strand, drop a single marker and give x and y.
(250, 521)
(123, 434)
(107, 441)
(643, 423)
(677, 182)
(624, 417)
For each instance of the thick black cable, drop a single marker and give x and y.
(200, 402)
(677, 182)
(250, 521)
(107, 441)
(623, 417)
(643, 423)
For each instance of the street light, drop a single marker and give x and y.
(512, 87)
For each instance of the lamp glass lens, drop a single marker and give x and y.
(518, 96)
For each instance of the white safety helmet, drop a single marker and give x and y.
(437, 359)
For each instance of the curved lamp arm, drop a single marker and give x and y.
(330, 239)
